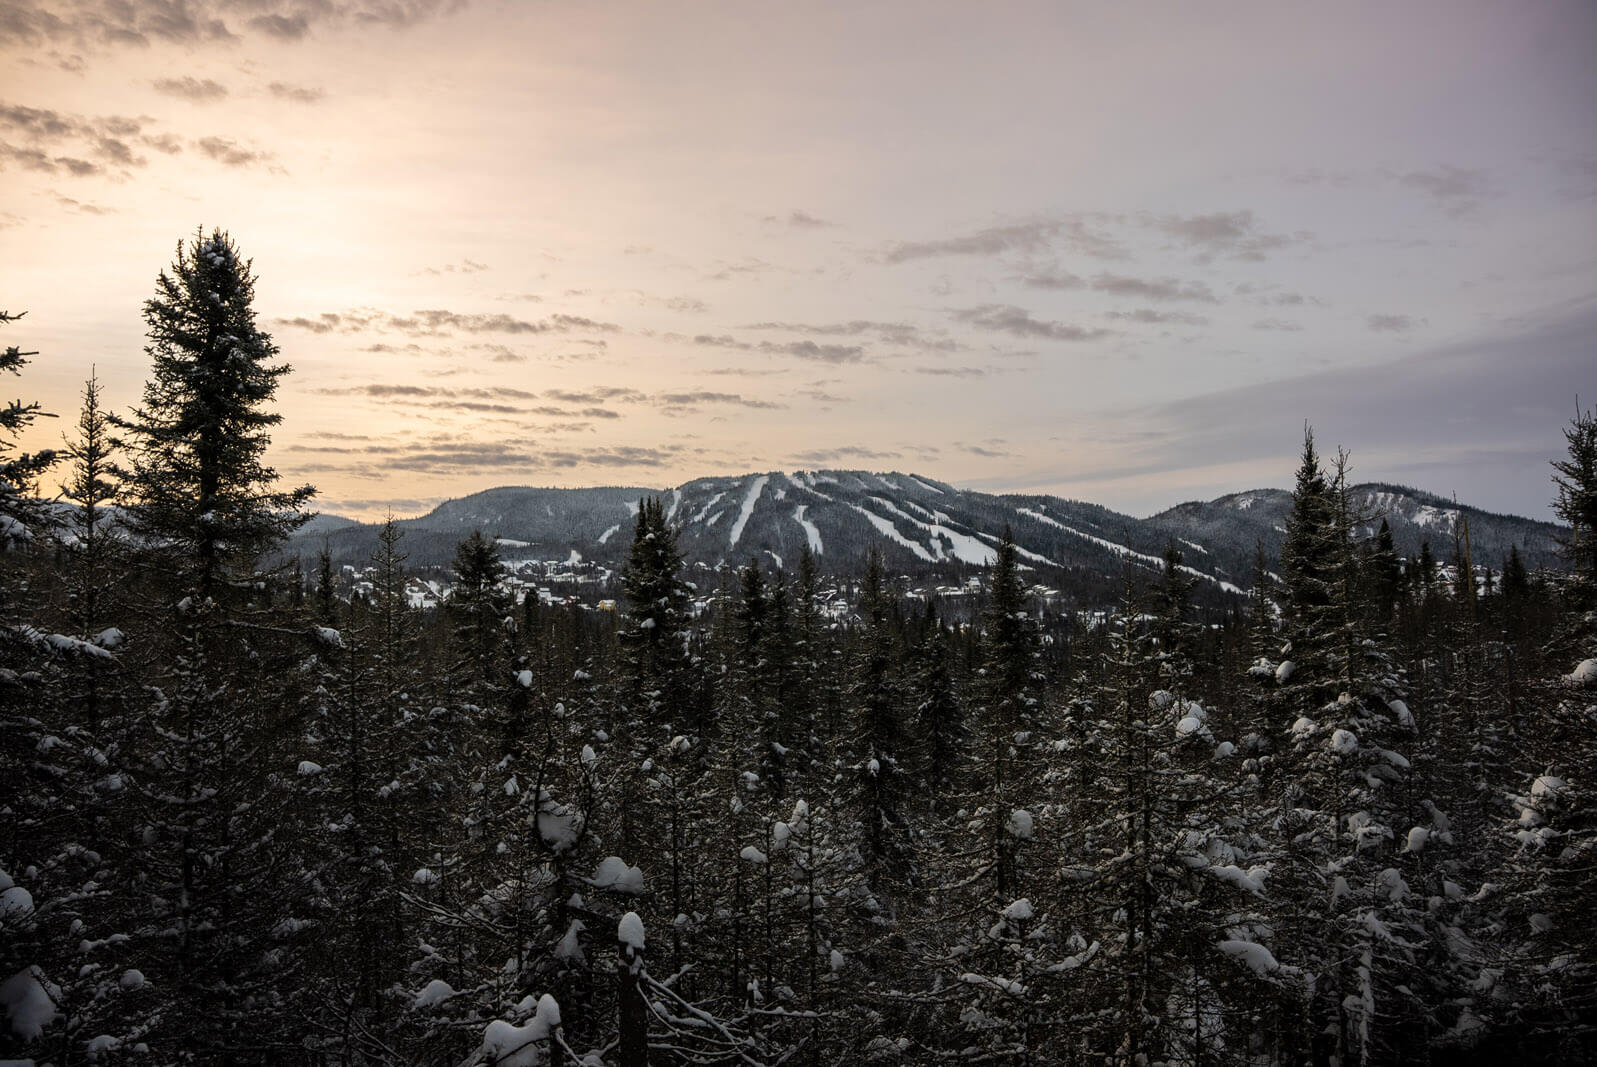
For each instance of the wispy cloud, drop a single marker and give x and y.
(1028, 237)
(1458, 190)
(844, 452)
(808, 350)
(196, 90)
(299, 94)
(805, 221)
(229, 152)
(1236, 234)
(1154, 288)
(1393, 323)
(440, 322)
(55, 142)
(1006, 318)
(92, 25)
(1153, 317)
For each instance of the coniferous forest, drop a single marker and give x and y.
(250, 818)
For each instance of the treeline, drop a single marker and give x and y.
(248, 820)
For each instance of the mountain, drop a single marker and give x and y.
(922, 526)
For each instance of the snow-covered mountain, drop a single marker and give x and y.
(921, 526)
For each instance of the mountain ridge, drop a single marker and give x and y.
(921, 525)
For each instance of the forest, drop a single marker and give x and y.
(252, 818)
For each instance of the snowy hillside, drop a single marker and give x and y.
(919, 524)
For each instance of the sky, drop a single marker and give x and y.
(1119, 252)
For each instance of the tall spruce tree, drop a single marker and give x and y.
(197, 484)
(18, 470)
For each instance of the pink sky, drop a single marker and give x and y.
(1116, 252)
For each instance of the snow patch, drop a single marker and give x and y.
(756, 487)
(614, 873)
(1252, 953)
(629, 931)
(433, 994)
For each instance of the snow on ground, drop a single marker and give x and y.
(811, 531)
(1023, 553)
(511, 542)
(676, 502)
(886, 529)
(611, 532)
(756, 487)
(923, 485)
(705, 510)
(1443, 519)
(806, 482)
(1130, 553)
(965, 548)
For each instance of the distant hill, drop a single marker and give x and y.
(922, 527)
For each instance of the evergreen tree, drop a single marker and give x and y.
(1010, 719)
(19, 507)
(479, 609)
(1576, 504)
(656, 623)
(197, 486)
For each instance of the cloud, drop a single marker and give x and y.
(1513, 388)
(58, 142)
(1028, 237)
(705, 397)
(1153, 288)
(830, 455)
(748, 266)
(465, 266)
(597, 394)
(94, 25)
(192, 89)
(990, 453)
(299, 94)
(282, 27)
(1458, 189)
(808, 350)
(326, 322)
(1150, 316)
(1006, 318)
(1267, 296)
(952, 372)
(686, 304)
(230, 153)
(1052, 279)
(439, 322)
(499, 400)
(895, 333)
(1234, 233)
(81, 208)
(1283, 325)
(1392, 323)
(804, 220)
(498, 353)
